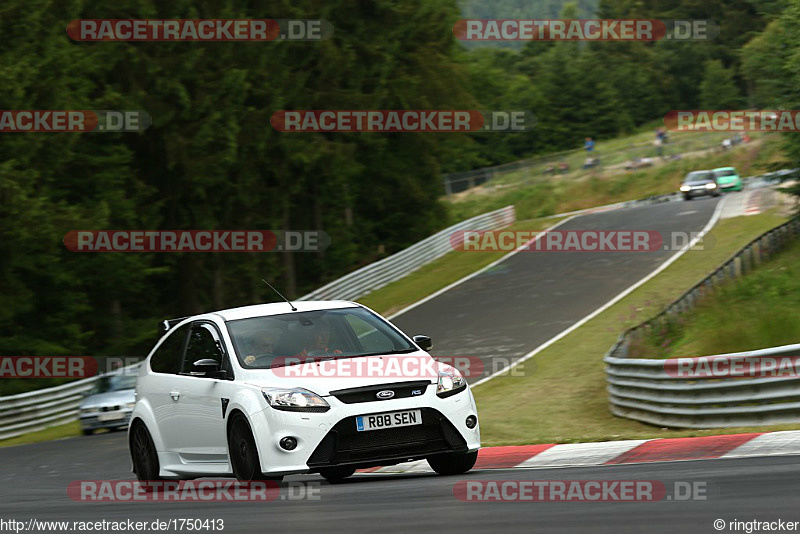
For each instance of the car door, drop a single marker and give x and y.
(202, 400)
(159, 387)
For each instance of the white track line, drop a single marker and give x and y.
(479, 271)
(625, 293)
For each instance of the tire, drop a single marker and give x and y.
(243, 453)
(335, 475)
(687, 197)
(143, 454)
(454, 463)
(87, 431)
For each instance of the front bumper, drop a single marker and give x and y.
(330, 438)
(99, 420)
(700, 191)
(737, 186)
(344, 445)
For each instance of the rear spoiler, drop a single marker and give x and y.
(167, 325)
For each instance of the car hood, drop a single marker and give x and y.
(326, 376)
(109, 398)
(729, 178)
(695, 183)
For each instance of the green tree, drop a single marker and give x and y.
(717, 90)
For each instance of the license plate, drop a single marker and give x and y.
(388, 420)
(115, 416)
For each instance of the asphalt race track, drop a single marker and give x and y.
(35, 478)
(509, 310)
(505, 312)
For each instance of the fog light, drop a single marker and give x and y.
(288, 443)
(472, 421)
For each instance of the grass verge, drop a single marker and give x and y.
(48, 434)
(757, 311)
(561, 395)
(541, 198)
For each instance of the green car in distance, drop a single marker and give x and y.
(728, 179)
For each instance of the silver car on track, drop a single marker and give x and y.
(110, 404)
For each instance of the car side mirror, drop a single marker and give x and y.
(207, 367)
(424, 342)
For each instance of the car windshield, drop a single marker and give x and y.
(727, 172)
(698, 177)
(269, 341)
(116, 383)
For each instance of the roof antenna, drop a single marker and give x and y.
(279, 294)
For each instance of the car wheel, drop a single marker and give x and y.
(143, 454)
(454, 463)
(243, 452)
(334, 475)
(687, 197)
(87, 431)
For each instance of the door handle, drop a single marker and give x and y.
(175, 395)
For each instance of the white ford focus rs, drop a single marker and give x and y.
(329, 387)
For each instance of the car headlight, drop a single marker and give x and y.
(87, 411)
(685, 188)
(450, 382)
(712, 185)
(295, 400)
(130, 405)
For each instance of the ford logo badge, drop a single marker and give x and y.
(385, 394)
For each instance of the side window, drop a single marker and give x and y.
(167, 359)
(371, 339)
(204, 343)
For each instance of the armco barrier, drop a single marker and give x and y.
(36, 410)
(42, 408)
(376, 275)
(641, 389)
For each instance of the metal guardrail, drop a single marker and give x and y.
(37, 410)
(42, 408)
(643, 390)
(629, 379)
(382, 272)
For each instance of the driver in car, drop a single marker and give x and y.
(321, 342)
(261, 342)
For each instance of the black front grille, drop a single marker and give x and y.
(401, 390)
(346, 445)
